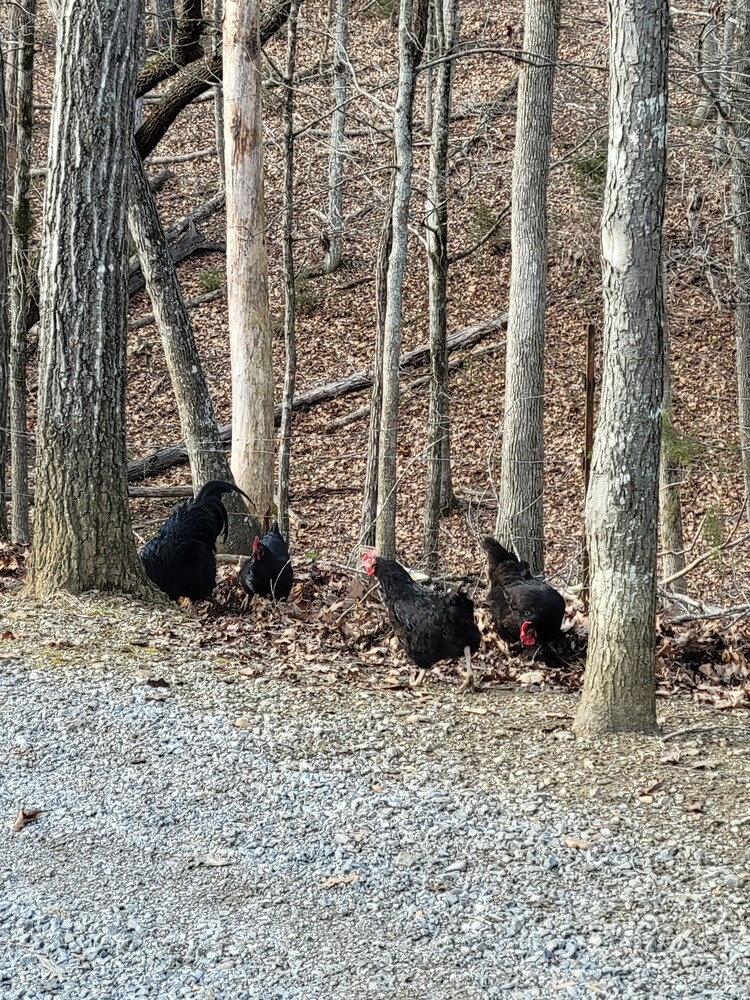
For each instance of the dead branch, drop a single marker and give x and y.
(199, 154)
(701, 559)
(191, 243)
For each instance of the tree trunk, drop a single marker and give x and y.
(19, 273)
(439, 481)
(671, 538)
(725, 82)
(290, 373)
(195, 79)
(709, 67)
(4, 301)
(83, 539)
(197, 418)
(520, 515)
(622, 506)
(370, 490)
(247, 267)
(335, 224)
(163, 27)
(216, 43)
(741, 219)
(412, 30)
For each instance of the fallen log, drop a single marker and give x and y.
(148, 318)
(176, 454)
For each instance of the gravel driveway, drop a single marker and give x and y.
(235, 838)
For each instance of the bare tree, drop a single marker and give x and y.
(4, 314)
(290, 373)
(671, 538)
(520, 516)
(247, 267)
(622, 506)
(83, 538)
(439, 481)
(163, 26)
(335, 223)
(197, 419)
(216, 43)
(19, 273)
(740, 166)
(370, 491)
(726, 58)
(413, 18)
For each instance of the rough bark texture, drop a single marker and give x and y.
(370, 489)
(83, 538)
(194, 80)
(412, 31)
(197, 419)
(180, 44)
(741, 219)
(520, 516)
(4, 314)
(439, 480)
(290, 298)
(671, 538)
(247, 267)
(19, 273)
(622, 506)
(335, 225)
(725, 81)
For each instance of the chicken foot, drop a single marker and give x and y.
(468, 683)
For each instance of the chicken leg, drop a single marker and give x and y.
(467, 684)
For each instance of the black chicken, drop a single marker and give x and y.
(524, 608)
(268, 572)
(181, 557)
(429, 626)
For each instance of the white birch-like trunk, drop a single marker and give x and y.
(520, 516)
(622, 506)
(740, 162)
(19, 271)
(247, 267)
(290, 370)
(335, 222)
(82, 534)
(411, 32)
(444, 19)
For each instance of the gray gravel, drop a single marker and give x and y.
(330, 846)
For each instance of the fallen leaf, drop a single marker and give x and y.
(694, 807)
(646, 799)
(655, 786)
(335, 880)
(417, 718)
(670, 756)
(376, 787)
(241, 723)
(208, 861)
(7, 634)
(157, 682)
(578, 845)
(531, 677)
(26, 816)
(474, 711)
(703, 765)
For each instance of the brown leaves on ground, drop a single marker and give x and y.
(13, 564)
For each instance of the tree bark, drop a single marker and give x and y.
(520, 515)
(412, 31)
(183, 47)
(740, 164)
(370, 489)
(335, 224)
(290, 372)
(725, 81)
(439, 480)
(247, 266)
(671, 537)
(622, 506)
(4, 300)
(194, 80)
(197, 419)
(216, 45)
(19, 272)
(83, 538)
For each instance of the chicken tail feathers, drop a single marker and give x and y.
(217, 488)
(496, 554)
